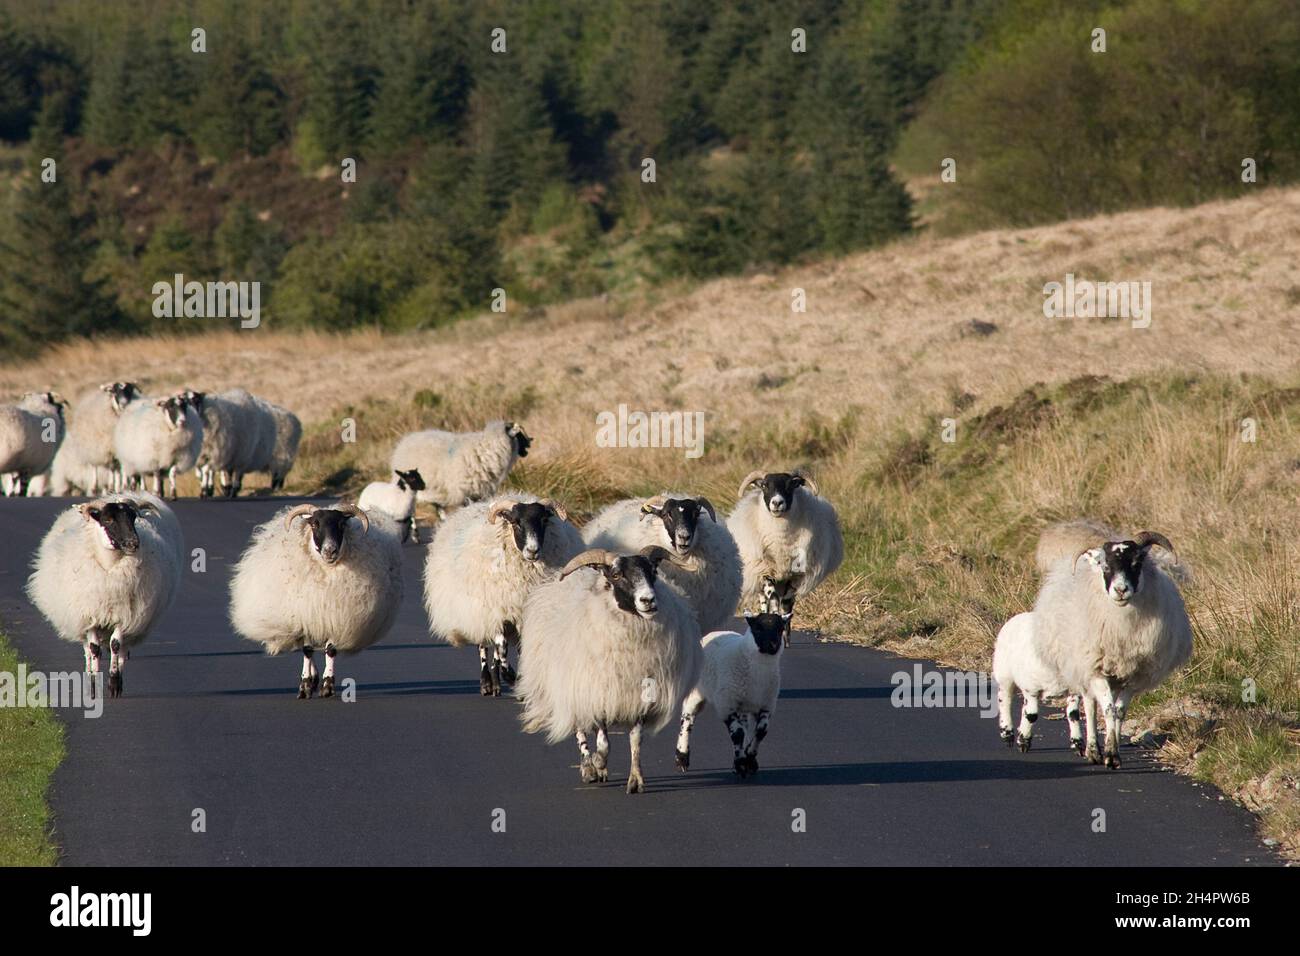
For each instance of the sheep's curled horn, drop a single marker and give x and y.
(656, 504)
(351, 510)
(811, 485)
(1147, 538)
(752, 477)
(600, 558)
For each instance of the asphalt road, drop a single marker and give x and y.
(417, 769)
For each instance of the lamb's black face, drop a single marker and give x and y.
(681, 518)
(328, 529)
(767, 631)
(522, 441)
(1121, 564)
(528, 522)
(632, 578)
(410, 479)
(116, 522)
(778, 491)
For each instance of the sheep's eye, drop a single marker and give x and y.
(94, 512)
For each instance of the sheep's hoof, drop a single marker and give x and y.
(485, 683)
(587, 770)
(1023, 743)
(751, 764)
(635, 783)
(601, 763)
(327, 687)
(115, 684)
(1077, 744)
(683, 760)
(1112, 761)
(741, 766)
(496, 680)
(1007, 736)
(1093, 756)
(306, 687)
(508, 674)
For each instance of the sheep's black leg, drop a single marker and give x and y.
(511, 635)
(600, 759)
(586, 769)
(635, 782)
(327, 682)
(1072, 715)
(736, 730)
(498, 663)
(92, 664)
(485, 672)
(787, 610)
(115, 667)
(690, 710)
(309, 681)
(415, 530)
(760, 731)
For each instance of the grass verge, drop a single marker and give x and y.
(31, 746)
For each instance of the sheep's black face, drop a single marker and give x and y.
(116, 521)
(778, 491)
(768, 631)
(193, 399)
(528, 522)
(123, 393)
(681, 518)
(328, 531)
(174, 409)
(632, 578)
(1120, 563)
(522, 441)
(410, 479)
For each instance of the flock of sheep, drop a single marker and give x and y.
(120, 439)
(617, 623)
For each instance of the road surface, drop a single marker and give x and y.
(420, 770)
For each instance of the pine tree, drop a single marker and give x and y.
(44, 262)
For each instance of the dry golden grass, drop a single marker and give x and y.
(1141, 427)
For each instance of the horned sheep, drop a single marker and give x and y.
(710, 573)
(606, 644)
(484, 561)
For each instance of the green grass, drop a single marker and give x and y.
(31, 746)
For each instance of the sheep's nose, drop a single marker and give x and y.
(777, 505)
(683, 542)
(530, 553)
(646, 604)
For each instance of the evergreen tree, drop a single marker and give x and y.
(47, 252)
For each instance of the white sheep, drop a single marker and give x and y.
(396, 499)
(105, 572)
(30, 435)
(461, 467)
(1018, 666)
(789, 540)
(91, 462)
(741, 679)
(605, 644)
(484, 561)
(1112, 628)
(239, 436)
(325, 581)
(157, 437)
(288, 433)
(709, 580)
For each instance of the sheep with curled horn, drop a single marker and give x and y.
(709, 574)
(316, 578)
(1109, 619)
(484, 561)
(607, 643)
(789, 540)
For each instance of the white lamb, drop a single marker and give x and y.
(1017, 666)
(741, 679)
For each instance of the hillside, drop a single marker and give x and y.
(1053, 418)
